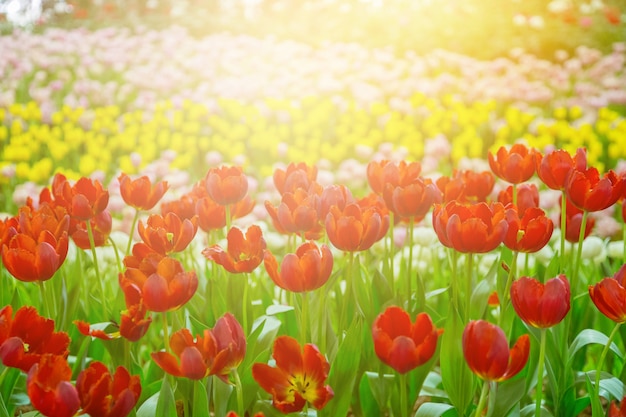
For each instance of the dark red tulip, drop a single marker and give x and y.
(514, 165)
(609, 296)
(529, 233)
(244, 252)
(226, 185)
(306, 270)
(140, 193)
(541, 305)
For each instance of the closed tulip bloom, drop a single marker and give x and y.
(401, 344)
(170, 287)
(335, 195)
(541, 305)
(49, 388)
(104, 395)
(466, 186)
(211, 216)
(101, 225)
(25, 338)
(306, 270)
(381, 173)
(167, 234)
(554, 167)
(294, 176)
(226, 185)
(216, 352)
(244, 252)
(487, 352)
(297, 379)
(514, 165)
(529, 233)
(412, 200)
(588, 191)
(298, 213)
(527, 197)
(140, 193)
(609, 296)
(32, 259)
(476, 228)
(354, 229)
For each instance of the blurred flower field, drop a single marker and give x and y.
(243, 224)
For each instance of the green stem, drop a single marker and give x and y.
(117, 255)
(454, 282)
(244, 306)
(348, 293)
(514, 194)
(596, 387)
(44, 299)
(390, 254)
(468, 287)
(563, 228)
(239, 390)
(579, 254)
(92, 244)
(409, 267)
(403, 396)
(166, 331)
(483, 399)
(540, 365)
(305, 317)
(507, 289)
(131, 232)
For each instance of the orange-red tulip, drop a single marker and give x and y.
(487, 352)
(104, 395)
(134, 323)
(244, 252)
(614, 411)
(609, 296)
(529, 233)
(573, 223)
(211, 216)
(298, 377)
(541, 305)
(294, 176)
(34, 259)
(170, 287)
(414, 199)
(554, 167)
(217, 352)
(306, 270)
(355, 229)
(226, 185)
(140, 193)
(298, 213)
(25, 338)
(184, 207)
(101, 225)
(466, 186)
(476, 228)
(335, 195)
(588, 191)
(401, 344)
(381, 173)
(514, 165)
(527, 196)
(49, 388)
(167, 234)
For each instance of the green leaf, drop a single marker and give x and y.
(3, 408)
(589, 336)
(509, 393)
(148, 408)
(380, 387)
(221, 396)
(200, 407)
(529, 411)
(166, 404)
(369, 404)
(435, 410)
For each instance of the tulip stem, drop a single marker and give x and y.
(468, 290)
(166, 336)
(46, 304)
(540, 365)
(482, 400)
(514, 194)
(596, 386)
(239, 391)
(563, 230)
(403, 396)
(409, 276)
(131, 232)
(92, 244)
(348, 293)
(392, 278)
(244, 305)
(579, 254)
(454, 282)
(117, 254)
(305, 316)
(507, 288)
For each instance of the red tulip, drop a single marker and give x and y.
(555, 166)
(167, 234)
(401, 344)
(476, 228)
(226, 185)
(233, 414)
(541, 305)
(170, 287)
(381, 173)
(184, 207)
(101, 225)
(216, 352)
(298, 377)
(49, 388)
(335, 195)
(134, 323)
(573, 223)
(529, 233)
(355, 229)
(306, 270)
(414, 199)
(590, 192)
(609, 296)
(293, 177)
(487, 352)
(298, 212)
(244, 253)
(83, 200)
(140, 193)
(527, 196)
(211, 216)
(34, 259)
(104, 395)
(514, 165)
(466, 186)
(614, 411)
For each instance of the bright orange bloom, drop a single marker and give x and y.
(244, 252)
(49, 388)
(573, 222)
(609, 296)
(487, 352)
(88, 199)
(226, 185)
(298, 377)
(354, 228)
(211, 216)
(25, 338)
(167, 234)
(293, 177)
(555, 166)
(306, 270)
(140, 193)
(514, 165)
(541, 305)
(476, 228)
(298, 212)
(170, 287)
(101, 225)
(614, 411)
(184, 207)
(401, 344)
(381, 173)
(216, 352)
(527, 196)
(104, 395)
(529, 233)
(413, 199)
(590, 192)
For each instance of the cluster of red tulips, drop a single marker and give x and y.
(154, 277)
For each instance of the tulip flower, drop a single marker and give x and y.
(335, 195)
(514, 165)
(244, 252)
(554, 167)
(184, 207)
(588, 191)
(529, 233)
(226, 185)
(211, 216)
(298, 212)
(527, 197)
(104, 395)
(216, 352)
(233, 414)
(466, 186)
(140, 193)
(298, 377)
(413, 200)
(381, 173)
(83, 200)
(25, 338)
(487, 352)
(355, 229)
(609, 296)
(133, 325)
(476, 228)
(573, 223)
(34, 258)
(294, 176)
(49, 388)
(170, 287)
(401, 344)
(540, 305)
(167, 234)
(306, 270)
(101, 225)
(614, 411)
